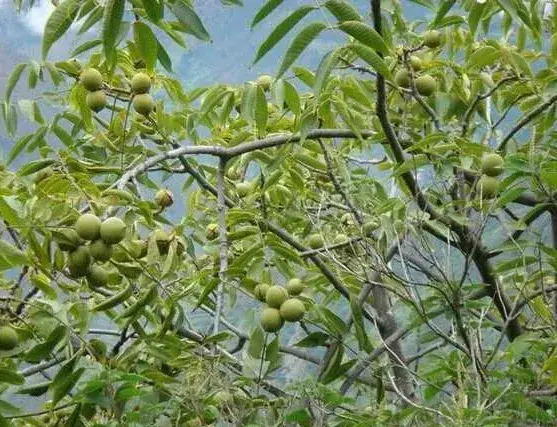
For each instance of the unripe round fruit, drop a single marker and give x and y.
(71, 242)
(270, 320)
(212, 231)
(233, 174)
(79, 261)
(100, 250)
(341, 238)
(113, 230)
(88, 227)
(416, 63)
(369, 227)
(260, 292)
(143, 104)
(97, 276)
(492, 164)
(264, 81)
(243, 189)
(8, 338)
(432, 39)
(347, 219)
(96, 101)
(164, 198)
(141, 83)
(487, 186)
(426, 85)
(91, 79)
(292, 310)
(275, 296)
(402, 78)
(294, 287)
(315, 241)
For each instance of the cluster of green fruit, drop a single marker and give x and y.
(92, 80)
(8, 338)
(102, 235)
(488, 184)
(425, 84)
(282, 304)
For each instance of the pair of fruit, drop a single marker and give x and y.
(143, 103)
(8, 338)
(92, 80)
(492, 166)
(425, 85)
(282, 304)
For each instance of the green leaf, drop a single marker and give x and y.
(11, 377)
(516, 263)
(261, 114)
(35, 166)
(324, 71)
(441, 12)
(88, 45)
(12, 255)
(58, 23)
(314, 339)
(163, 57)
(373, 59)
(361, 335)
(13, 79)
(365, 35)
(475, 16)
(483, 56)
(112, 22)
(94, 16)
(187, 16)
(298, 45)
(332, 369)
(281, 30)
(146, 43)
(256, 342)
(264, 11)
(342, 10)
(65, 385)
(154, 9)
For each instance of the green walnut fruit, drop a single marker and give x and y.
(100, 250)
(144, 104)
(264, 81)
(91, 79)
(292, 310)
(8, 338)
(416, 63)
(369, 227)
(113, 230)
(402, 78)
(270, 320)
(341, 238)
(69, 240)
(96, 101)
(347, 219)
(164, 198)
(426, 85)
(294, 287)
(243, 189)
(212, 231)
(97, 348)
(487, 186)
(315, 241)
(432, 39)
(141, 83)
(79, 261)
(97, 277)
(260, 291)
(88, 227)
(492, 164)
(275, 296)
